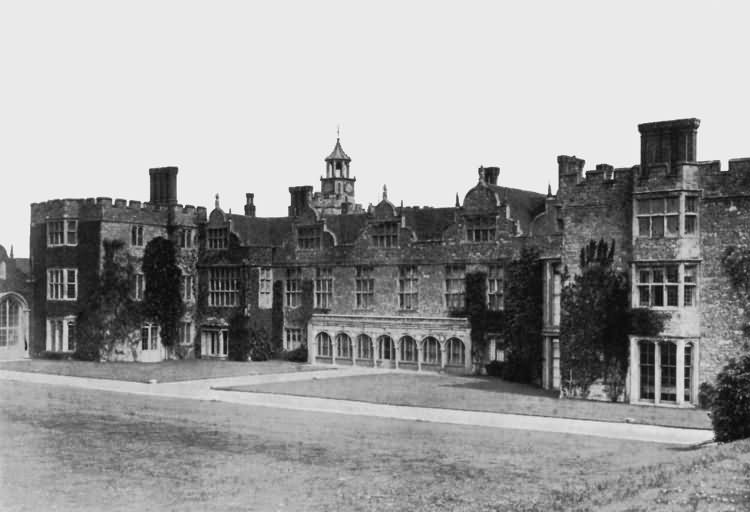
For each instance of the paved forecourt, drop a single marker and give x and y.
(210, 390)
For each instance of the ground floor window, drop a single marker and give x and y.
(186, 333)
(385, 347)
(455, 352)
(61, 334)
(215, 342)
(149, 337)
(431, 350)
(10, 322)
(364, 347)
(665, 370)
(292, 338)
(551, 363)
(343, 346)
(323, 340)
(408, 349)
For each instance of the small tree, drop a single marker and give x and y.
(162, 300)
(730, 410)
(109, 317)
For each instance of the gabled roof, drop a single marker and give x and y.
(429, 223)
(338, 153)
(259, 231)
(524, 204)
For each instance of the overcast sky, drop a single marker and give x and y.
(246, 96)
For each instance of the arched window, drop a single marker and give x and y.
(408, 349)
(324, 344)
(455, 352)
(385, 347)
(364, 347)
(431, 350)
(10, 322)
(343, 346)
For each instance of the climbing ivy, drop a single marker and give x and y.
(736, 264)
(162, 300)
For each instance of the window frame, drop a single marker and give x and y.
(217, 238)
(496, 287)
(455, 287)
(265, 287)
(323, 287)
(385, 234)
(66, 342)
(63, 235)
(480, 228)
(364, 287)
(310, 238)
(223, 287)
(293, 287)
(666, 287)
(136, 235)
(408, 287)
(62, 286)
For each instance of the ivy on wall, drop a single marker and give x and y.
(162, 300)
(277, 315)
(736, 264)
(110, 317)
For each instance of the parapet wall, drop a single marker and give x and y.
(104, 208)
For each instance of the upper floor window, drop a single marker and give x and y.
(218, 238)
(495, 287)
(265, 287)
(480, 228)
(138, 286)
(555, 293)
(188, 283)
(62, 232)
(187, 238)
(323, 287)
(293, 287)
(136, 236)
(673, 285)
(223, 286)
(385, 234)
(455, 286)
(408, 281)
(309, 237)
(62, 284)
(660, 216)
(364, 287)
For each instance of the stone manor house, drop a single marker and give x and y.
(382, 281)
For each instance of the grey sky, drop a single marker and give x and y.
(246, 96)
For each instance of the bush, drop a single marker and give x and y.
(494, 368)
(55, 356)
(706, 395)
(298, 355)
(730, 411)
(87, 350)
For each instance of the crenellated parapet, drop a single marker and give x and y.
(600, 185)
(735, 181)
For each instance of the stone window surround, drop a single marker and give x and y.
(188, 288)
(223, 286)
(455, 286)
(139, 286)
(480, 228)
(153, 338)
(681, 284)
(323, 287)
(59, 284)
(265, 287)
(292, 337)
(364, 287)
(682, 213)
(634, 370)
(495, 287)
(408, 287)
(61, 232)
(309, 237)
(215, 341)
(217, 238)
(293, 287)
(58, 338)
(136, 235)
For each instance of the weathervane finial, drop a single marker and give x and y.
(338, 131)
(216, 200)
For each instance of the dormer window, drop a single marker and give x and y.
(385, 235)
(308, 237)
(218, 238)
(480, 228)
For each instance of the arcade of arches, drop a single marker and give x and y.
(417, 343)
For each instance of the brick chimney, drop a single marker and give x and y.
(163, 185)
(299, 199)
(669, 141)
(490, 174)
(249, 205)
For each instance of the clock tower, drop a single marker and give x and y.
(337, 185)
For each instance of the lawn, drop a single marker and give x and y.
(479, 394)
(165, 371)
(73, 449)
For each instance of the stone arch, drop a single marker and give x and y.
(430, 350)
(14, 324)
(455, 351)
(407, 349)
(386, 347)
(364, 346)
(343, 345)
(323, 344)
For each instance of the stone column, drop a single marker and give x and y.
(354, 352)
(395, 349)
(680, 372)
(419, 356)
(657, 371)
(634, 372)
(373, 344)
(467, 357)
(442, 355)
(334, 345)
(312, 346)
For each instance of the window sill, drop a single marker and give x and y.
(61, 300)
(61, 245)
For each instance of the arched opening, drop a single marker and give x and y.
(456, 353)
(431, 350)
(343, 346)
(364, 347)
(323, 342)
(408, 349)
(386, 349)
(11, 322)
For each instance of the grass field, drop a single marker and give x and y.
(71, 449)
(479, 394)
(165, 371)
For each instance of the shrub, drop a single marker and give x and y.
(494, 368)
(87, 349)
(706, 395)
(730, 411)
(298, 355)
(55, 356)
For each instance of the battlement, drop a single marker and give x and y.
(570, 170)
(105, 208)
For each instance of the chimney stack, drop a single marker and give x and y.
(163, 185)
(249, 205)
